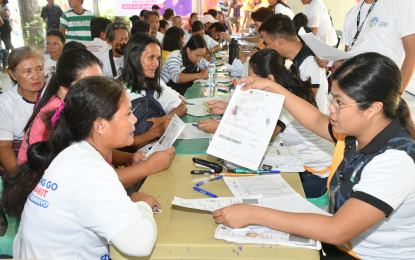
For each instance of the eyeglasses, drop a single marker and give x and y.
(336, 105)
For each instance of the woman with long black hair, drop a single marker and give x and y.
(372, 179)
(141, 77)
(67, 192)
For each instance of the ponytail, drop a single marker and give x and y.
(269, 62)
(89, 99)
(405, 118)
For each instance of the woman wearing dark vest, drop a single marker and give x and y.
(184, 66)
(154, 103)
(372, 180)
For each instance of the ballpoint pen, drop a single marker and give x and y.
(205, 192)
(251, 171)
(207, 181)
(236, 174)
(194, 125)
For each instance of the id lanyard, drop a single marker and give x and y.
(359, 28)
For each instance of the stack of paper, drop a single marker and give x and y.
(264, 236)
(267, 186)
(197, 110)
(192, 132)
(283, 158)
(200, 101)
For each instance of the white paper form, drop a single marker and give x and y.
(246, 128)
(283, 158)
(265, 185)
(173, 131)
(321, 49)
(215, 203)
(294, 203)
(199, 101)
(192, 132)
(267, 236)
(197, 110)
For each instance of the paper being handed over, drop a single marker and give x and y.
(246, 128)
(173, 131)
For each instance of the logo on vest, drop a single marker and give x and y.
(374, 22)
(383, 23)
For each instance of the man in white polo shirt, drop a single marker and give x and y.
(153, 18)
(385, 27)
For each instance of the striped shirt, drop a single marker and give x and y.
(77, 26)
(174, 65)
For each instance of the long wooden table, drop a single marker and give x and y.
(188, 234)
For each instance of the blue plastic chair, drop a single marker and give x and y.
(320, 201)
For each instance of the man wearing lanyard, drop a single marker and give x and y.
(385, 27)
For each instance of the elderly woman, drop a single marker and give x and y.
(16, 105)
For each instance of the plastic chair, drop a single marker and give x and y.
(6, 241)
(320, 201)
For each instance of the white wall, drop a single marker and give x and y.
(337, 8)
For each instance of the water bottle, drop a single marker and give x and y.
(212, 74)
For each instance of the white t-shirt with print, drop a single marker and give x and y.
(107, 70)
(383, 30)
(50, 67)
(281, 9)
(316, 152)
(77, 208)
(318, 16)
(15, 111)
(97, 46)
(392, 237)
(310, 69)
(169, 99)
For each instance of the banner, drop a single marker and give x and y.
(134, 7)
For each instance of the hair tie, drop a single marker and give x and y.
(57, 114)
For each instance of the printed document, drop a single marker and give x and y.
(197, 110)
(213, 204)
(321, 49)
(264, 236)
(192, 132)
(246, 128)
(272, 185)
(173, 131)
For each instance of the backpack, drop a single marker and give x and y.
(144, 108)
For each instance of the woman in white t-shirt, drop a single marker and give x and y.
(141, 77)
(16, 105)
(316, 152)
(372, 180)
(279, 7)
(55, 41)
(69, 193)
(319, 21)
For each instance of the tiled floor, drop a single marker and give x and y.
(409, 98)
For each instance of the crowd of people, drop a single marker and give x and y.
(106, 90)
